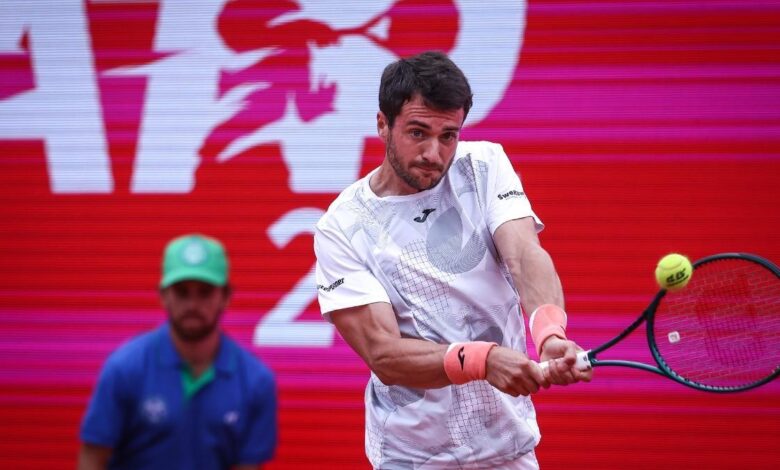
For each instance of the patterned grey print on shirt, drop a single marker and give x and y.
(373, 218)
(486, 323)
(395, 395)
(407, 452)
(425, 289)
(474, 409)
(465, 168)
(425, 269)
(445, 244)
(374, 440)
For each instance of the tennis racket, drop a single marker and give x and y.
(720, 333)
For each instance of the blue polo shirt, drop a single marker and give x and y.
(140, 408)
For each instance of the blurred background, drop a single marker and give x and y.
(638, 128)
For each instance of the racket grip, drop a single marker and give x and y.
(583, 363)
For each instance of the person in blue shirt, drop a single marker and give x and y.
(185, 395)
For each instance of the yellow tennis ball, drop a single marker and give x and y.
(673, 272)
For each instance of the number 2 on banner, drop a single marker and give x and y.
(278, 327)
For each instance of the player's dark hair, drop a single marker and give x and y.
(432, 75)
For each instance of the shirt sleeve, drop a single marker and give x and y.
(343, 279)
(261, 439)
(105, 416)
(506, 199)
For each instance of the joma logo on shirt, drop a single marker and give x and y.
(512, 193)
(422, 219)
(332, 286)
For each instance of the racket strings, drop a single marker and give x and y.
(723, 329)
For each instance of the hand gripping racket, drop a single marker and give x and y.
(720, 333)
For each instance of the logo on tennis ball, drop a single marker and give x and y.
(673, 272)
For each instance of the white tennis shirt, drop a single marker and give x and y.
(431, 256)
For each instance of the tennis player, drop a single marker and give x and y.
(423, 266)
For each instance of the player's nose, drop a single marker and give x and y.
(432, 151)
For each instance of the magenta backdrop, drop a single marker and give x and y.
(638, 128)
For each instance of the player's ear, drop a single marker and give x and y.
(382, 126)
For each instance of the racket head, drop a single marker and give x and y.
(721, 333)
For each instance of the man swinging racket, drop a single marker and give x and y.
(423, 266)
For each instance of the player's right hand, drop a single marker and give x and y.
(561, 355)
(513, 372)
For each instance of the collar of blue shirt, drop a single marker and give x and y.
(225, 363)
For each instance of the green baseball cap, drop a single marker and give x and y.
(194, 257)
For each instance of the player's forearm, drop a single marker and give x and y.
(531, 267)
(409, 362)
(372, 331)
(533, 273)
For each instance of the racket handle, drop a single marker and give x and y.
(583, 363)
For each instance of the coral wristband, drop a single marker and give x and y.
(547, 320)
(464, 362)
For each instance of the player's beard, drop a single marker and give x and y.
(193, 334)
(413, 181)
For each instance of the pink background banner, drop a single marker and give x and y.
(638, 128)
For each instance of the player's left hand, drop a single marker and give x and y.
(561, 355)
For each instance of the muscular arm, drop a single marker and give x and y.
(372, 331)
(92, 457)
(537, 282)
(531, 267)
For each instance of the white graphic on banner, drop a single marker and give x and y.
(64, 107)
(182, 106)
(355, 64)
(278, 327)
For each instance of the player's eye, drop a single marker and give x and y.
(449, 136)
(416, 133)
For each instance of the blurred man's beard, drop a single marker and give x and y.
(193, 334)
(404, 173)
